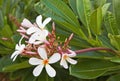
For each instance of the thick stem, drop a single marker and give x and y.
(95, 49)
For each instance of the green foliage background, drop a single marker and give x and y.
(95, 23)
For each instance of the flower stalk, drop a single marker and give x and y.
(96, 49)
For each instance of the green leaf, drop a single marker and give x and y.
(110, 23)
(99, 3)
(115, 59)
(114, 39)
(96, 21)
(14, 67)
(44, 77)
(1, 20)
(105, 41)
(25, 75)
(5, 61)
(60, 8)
(114, 78)
(4, 50)
(90, 69)
(84, 11)
(28, 75)
(116, 10)
(6, 31)
(105, 8)
(72, 3)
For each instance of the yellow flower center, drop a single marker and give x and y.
(65, 56)
(45, 61)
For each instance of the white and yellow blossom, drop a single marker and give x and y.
(67, 58)
(44, 62)
(38, 33)
(18, 49)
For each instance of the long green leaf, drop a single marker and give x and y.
(116, 10)
(72, 3)
(96, 20)
(110, 23)
(60, 8)
(114, 78)
(1, 20)
(18, 66)
(90, 69)
(84, 11)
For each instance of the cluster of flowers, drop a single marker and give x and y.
(43, 47)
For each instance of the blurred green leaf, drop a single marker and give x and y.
(89, 68)
(115, 59)
(14, 67)
(111, 24)
(105, 41)
(84, 11)
(96, 21)
(98, 3)
(114, 39)
(44, 77)
(1, 20)
(114, 78)
(6, 31)
(72, 3)
(116, 11)
(105, 8)
(28, 76)
(24, 74)
(5, 61)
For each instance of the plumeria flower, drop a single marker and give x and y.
(39, 33)
(18, 49)
(44, 62)
(67, 58)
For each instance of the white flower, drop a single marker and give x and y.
(18, 50)
(26, 23)
(44, 62)
(39, 33)
(67, 58)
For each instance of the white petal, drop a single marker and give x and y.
(32, 38)
(17, 47)
(46, 21)
(26, 23)
(72, 61)
(64, 63)
(41, 36)
(14, 54)
(33, 30)
(14, 58)
(37, 38)
(22, 47)
(54, 58)
(42, 52)
(37, 71)
(39, 21)
(21, 40)
(35, 61)
(71, 55)
(45, 32)
(50, 71)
